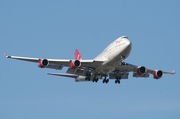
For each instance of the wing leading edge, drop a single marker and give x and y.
(57, 63)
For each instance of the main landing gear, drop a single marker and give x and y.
(105, 80)
(88, 77)
(95, 79)
(117, 81)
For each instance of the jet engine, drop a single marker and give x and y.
(157, 74)
(141, 70)
(43, 63)
(75, 64)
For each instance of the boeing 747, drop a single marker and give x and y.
(107, 65)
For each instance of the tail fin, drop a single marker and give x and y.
(77, 55)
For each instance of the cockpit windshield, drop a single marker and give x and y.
(124, 37)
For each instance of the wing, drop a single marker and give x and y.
(65, 75)
(57, 64)
(138, 71)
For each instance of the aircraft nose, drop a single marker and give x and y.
(128, 42)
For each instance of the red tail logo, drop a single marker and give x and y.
(77, 55)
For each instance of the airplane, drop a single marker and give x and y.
(107, 65)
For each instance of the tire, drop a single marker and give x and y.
(107, 80)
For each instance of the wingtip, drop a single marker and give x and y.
(49, 73)
(173, 72)
(5, 55)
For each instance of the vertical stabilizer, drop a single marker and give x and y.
(77, 55)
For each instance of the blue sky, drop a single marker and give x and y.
(54, 29)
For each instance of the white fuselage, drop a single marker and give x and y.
(113, 55)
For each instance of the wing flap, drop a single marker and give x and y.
(75, 71)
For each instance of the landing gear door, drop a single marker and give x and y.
(123, 75)
(146, 75)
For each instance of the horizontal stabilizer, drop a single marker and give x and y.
(64, 75)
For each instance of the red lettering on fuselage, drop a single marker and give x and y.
(118, 41)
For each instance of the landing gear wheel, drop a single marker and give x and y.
(107, 80)
(117, 81)
(88, 76)
(95, 80)
(118, 78)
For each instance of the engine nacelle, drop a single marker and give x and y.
(80, 79)
(157, 74)
(75, 64)
(43, 63)
(141, 70)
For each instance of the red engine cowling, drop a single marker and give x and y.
(75, 64)
(43, 63)
(141, 70)
(157, 74)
